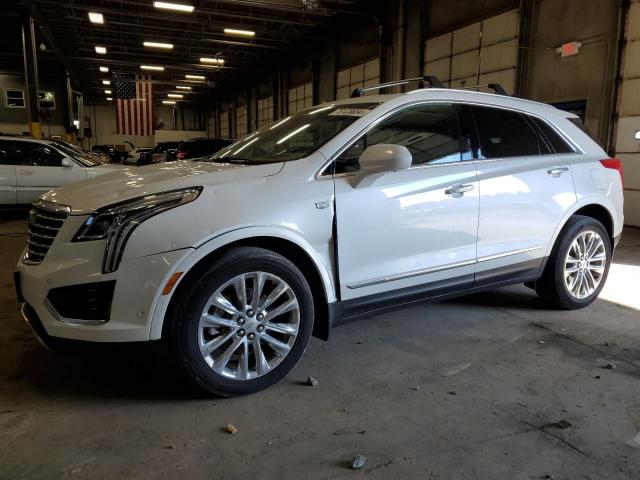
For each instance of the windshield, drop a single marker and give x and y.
(295, 136)
(77, 154)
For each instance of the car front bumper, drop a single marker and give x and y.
(138, 285)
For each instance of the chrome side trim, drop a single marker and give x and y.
(414, 273)
(507, 254)
(424, 271)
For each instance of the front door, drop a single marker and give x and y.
(412, 231)
(40, 170)
(7, 176)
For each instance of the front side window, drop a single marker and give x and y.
(504, 133)
(294, 137)
(36, 155)
(430, 132)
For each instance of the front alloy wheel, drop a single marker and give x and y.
(249, 325)
(243, 323)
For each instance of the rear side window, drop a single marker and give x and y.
(504, 133)
(556, 141)
(36, 155)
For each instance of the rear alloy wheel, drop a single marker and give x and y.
(244, 324)
(578, 266)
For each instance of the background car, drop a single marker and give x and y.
(163, 152)
(30, 168)
(114, 155)
(201, 147)
(134, 156)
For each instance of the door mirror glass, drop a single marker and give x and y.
(67, 162)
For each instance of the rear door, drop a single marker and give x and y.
(40, 169)
(525, 190)
(7, 175)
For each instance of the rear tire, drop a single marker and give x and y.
(230, 342)
(578, 266)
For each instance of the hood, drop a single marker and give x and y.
(125, 183)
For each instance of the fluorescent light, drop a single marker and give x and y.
(183, 87)
(167, 46)
(322, 109)
(152, 67)
(101, 50)
(109, 99)
(108, 92)
(280, 123)
(104, 69)
(242, 33)
(174, 6)
(295, 132)
(106, 82)
(96, 17)
(215, 61)
(194, 77)
(175, 95)
(169, 102)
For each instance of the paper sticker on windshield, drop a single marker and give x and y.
(349, 112)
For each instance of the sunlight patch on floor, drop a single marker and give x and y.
(622, 286)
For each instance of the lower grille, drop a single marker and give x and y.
(45, 219)
(84, 303)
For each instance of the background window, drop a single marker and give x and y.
(224, 125)
(265, 111)
(430, 132)
(300, 97)
(504, 133)
(241, 121)
(14, 98)
(358, 76)
(47, 100)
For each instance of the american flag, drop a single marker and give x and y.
(134, 104)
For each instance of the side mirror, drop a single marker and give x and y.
(379, 159)
(67, 162)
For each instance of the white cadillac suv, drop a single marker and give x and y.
(337, 212)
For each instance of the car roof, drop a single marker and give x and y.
(27, 139)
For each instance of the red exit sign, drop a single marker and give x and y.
(569, 49)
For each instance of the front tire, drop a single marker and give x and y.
(244, 323)
(579, 264)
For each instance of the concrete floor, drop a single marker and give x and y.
(472, 388)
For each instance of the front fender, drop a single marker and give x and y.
(195, 255)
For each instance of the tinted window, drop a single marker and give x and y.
(555, 140)
(504, 133)
(36, 155)
(5, 154)
(430, 132)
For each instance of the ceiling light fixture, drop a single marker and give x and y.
(214, 61)
(104, 69)
(108, 92)
(194, 77)
(241, 33)
(101, 50)
(183, 87)
(106, 82)
(152, 67)
(173, 6)
(168, 102)
(96, 18)
(175, 95)
(109, 99)
(166, 46)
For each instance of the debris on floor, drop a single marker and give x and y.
(358, 462)
(312, 381)
(231, 429)
(610, 366)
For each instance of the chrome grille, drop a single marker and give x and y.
(45, 219)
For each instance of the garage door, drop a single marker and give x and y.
(481, 53)
(358, 76)
(628, 124)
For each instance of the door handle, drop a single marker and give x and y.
(557, 171)
(27, 172)
(458, 189)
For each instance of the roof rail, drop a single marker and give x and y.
(431, 79)
(496, 87)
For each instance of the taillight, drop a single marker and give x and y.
(615, 164)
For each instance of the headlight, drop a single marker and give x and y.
(115, 223)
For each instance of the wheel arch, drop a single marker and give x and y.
(280, 240)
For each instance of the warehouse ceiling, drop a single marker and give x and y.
(200, 44)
